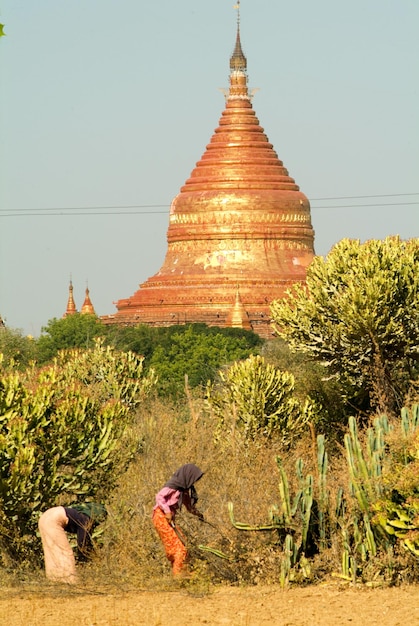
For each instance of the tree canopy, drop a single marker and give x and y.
(195, 350)
(358, 315)
(74, 331)
(198, 352)
(17, 350)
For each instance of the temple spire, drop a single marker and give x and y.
(87, 306)
(71, 305)
(238, 66)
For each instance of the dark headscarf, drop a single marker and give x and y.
(183, 480)
(184, 477)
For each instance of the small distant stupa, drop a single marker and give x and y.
(71, 305)
(239, 233)
(87, 306)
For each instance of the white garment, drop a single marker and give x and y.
(60, 564)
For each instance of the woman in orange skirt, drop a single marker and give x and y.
(178, 491)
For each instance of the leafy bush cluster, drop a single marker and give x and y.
(62, 430)
(358, 315)
(259, 399)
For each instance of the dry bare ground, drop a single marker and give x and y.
(325, 605)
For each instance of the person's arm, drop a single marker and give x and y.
(190, 506)
(80, 524)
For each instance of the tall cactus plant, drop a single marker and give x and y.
(365, 464)
(397, 510)
(378, 509)
(300, 519)
(386, 515)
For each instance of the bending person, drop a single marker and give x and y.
(60, 562)
(179, 490)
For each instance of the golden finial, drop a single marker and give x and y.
(238, 60)
(237, 7)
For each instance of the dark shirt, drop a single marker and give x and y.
(80, 524)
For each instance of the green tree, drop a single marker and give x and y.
(359, 316)
(17, 349)
(64, 434)
(74, 331)
(141, 339)
(198, 352)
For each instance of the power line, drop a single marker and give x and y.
(116, 210)
(349, 206)
(386, 195)
(62, 213)
(93, 208)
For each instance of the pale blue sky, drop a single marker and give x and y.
(108, 103)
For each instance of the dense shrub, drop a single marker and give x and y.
(358, 315)
(296, 511)
(310, 381)
(295, 493)
(63, 434)
(259, 399)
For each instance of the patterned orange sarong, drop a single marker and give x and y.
(175, 550)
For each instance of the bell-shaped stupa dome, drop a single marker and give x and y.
(239, 225)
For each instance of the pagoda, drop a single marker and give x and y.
(71, 305)
(239, 232)
(87, 306)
